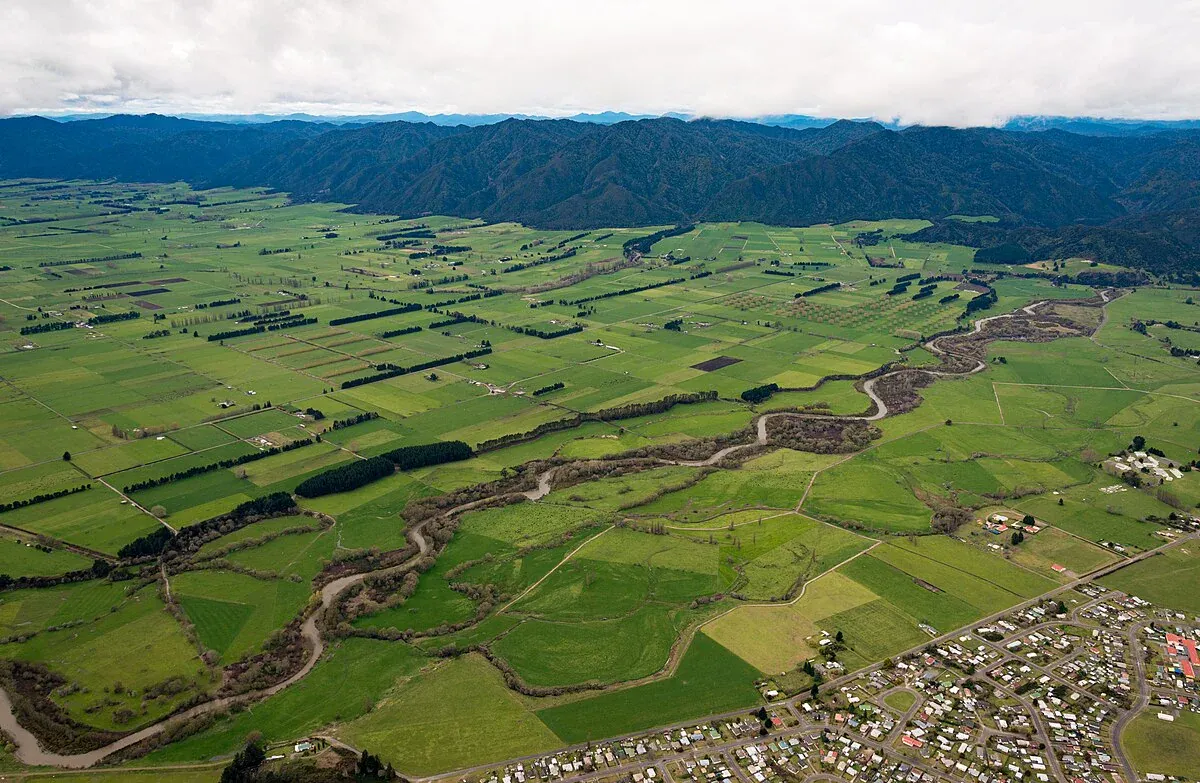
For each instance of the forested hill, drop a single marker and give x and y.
(1126, 199)
(149, 148)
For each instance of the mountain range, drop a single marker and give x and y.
(1128, 197)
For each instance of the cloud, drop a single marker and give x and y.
(932, 61)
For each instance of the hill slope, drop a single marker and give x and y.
(1140, 188)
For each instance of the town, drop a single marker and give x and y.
(1043, 692)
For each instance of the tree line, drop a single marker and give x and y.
(642, 245)
(621, 292)
(197, 470)
(351, 319)
(47, 326)
(94, 260)
(152, 544)
(146, 546)
(251, 318)
(547, 389)
(291, 323)
(399, 332)
(818, 290)
(353, 475)
(346, 477)
(486, 294)
(108, 318)
(99, 568)
(269, 326)
(231, 333)
(417, 232)
(454, 320)
(351, 421)
(385, 371)
(630, 411)
(532, 331)
(42, 498)
(217, 303)
(983, 301)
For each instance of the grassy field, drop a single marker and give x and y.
(1156, 746)
(456, 714)
(877, 601)
(867, 493)
(234, 613)
(346, 684)
(710, 679)
(605, 651)
(900, 701)
(1054, 547)
(21, 556)
(33, 610)
(151, 647)
(1169, 579)
(776, 639)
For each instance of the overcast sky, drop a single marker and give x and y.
(958, 62)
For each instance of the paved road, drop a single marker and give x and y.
(1139, 671)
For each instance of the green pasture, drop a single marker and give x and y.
(709, 679)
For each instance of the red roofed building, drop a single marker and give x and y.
(1183, 652)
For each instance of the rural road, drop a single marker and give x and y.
(29, 751)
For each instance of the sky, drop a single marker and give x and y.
(948, 62)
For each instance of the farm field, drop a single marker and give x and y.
(1169, 579)
(710, 679)
(529, 462)
(457, 714)
(1164, 748)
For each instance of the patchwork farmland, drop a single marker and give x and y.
(475, 491)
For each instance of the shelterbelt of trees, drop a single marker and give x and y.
(353, 475)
